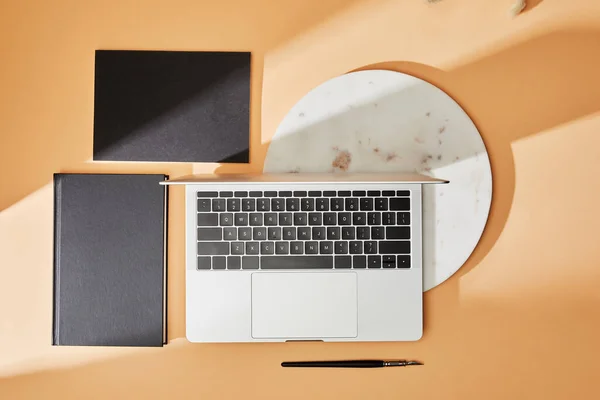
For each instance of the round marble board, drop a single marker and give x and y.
(382, 121)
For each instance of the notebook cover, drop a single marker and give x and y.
(109, 260)
(172, 106)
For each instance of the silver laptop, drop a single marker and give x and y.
(329, 257)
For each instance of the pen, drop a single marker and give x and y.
(349, 364)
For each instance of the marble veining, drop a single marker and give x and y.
(381, 121)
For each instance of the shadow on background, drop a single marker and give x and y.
(531, 4)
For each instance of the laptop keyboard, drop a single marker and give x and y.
(283, 230)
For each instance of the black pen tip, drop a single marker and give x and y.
(414, 363)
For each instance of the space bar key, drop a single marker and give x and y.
(296, 262)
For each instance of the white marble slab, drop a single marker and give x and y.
(371, 121)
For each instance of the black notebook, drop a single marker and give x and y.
(172, 106)
(109, 260)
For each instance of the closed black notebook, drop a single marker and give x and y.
(109, 260)
(172, 106)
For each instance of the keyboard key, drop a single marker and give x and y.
(333, 233)
(300, 193)
(300, 218)
(344, 218)
(248, 205)
(381, 204)
(351, 204)
(207, 194)
(241, 219)
(397, 232)
(318, 233)
(326, 247)
(329, 193)
(389, 261)
(203, 263)
(304, 233)
(403, 218)
(400, 203)
(315, 218)
(252, 248)
(341, 247)
(204, 205)
(263, 205)
(282, 248)
(344, 193)
(213, 248)
(296, 247)
(230, 234)
(285, 193)
(329, 219)
(259, 233)
(374, 261)
(373, 193)
(337, 204)
(270, 193)
(403, 193)
(208, 219)
(226, 219)
(363, 232)
(289, 233)
(348, 233)
(322, 205)
(237, 248)
(278, 204)
(267, 248)
(256, 194)
(374, 218)
(291, 262)
(356, 247)
(394, 247)
(271, 219)
(377, 232)
(210, 234)
(244, 233)
(311, 247)
(219, 262)
(371, 247)
(343, 261)
(226, 194)
(240, 194)
(234, 262)
(315, 193)
(388, 193)
(249, 262)
(285, 219)
(404, 261)
(389, 218)
(292, 204)
(359, 261)
(359, 193)
(366, 204)
(307, 204)
(218, 204)
(256, 219)
(359, 218)
(274, 233)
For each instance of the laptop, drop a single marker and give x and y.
(304, 257)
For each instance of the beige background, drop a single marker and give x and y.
(520, 320)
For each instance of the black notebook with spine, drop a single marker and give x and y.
(109, 260)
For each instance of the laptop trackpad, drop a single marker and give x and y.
(304, 305)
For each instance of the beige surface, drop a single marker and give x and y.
(520, 320)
